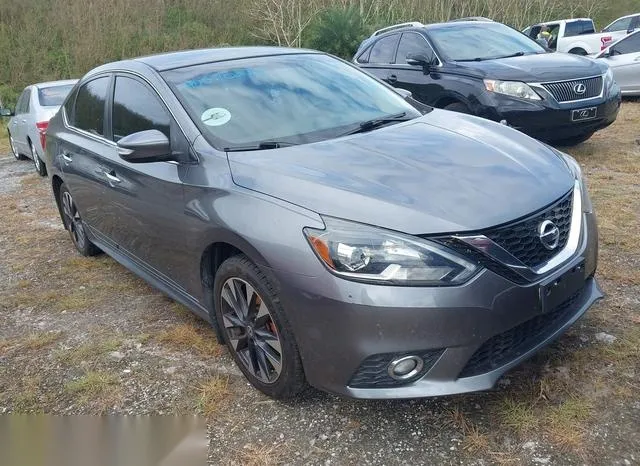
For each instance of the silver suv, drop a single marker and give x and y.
(36, 105)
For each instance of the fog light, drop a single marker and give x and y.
(405, 367)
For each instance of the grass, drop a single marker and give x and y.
(566, 423)
(518, 415)
(36, 341)
(88, 353)
(261, 455)
(187, 336)
(94, 386)
(213, 394)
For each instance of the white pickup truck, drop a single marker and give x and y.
(579, 35)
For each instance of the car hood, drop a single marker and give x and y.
(544, 67)
(443, 172)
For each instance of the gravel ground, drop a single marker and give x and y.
(85, 336)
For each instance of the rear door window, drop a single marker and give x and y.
(20, 103)
(384, 50)
(137, 108)
(414, 43)
(88, 113)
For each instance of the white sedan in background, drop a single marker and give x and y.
(35, 107)
(623, 57)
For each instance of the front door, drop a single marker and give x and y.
(145, 200)
(416, 78)
(625, 63)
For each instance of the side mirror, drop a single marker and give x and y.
(419, 59)
(145, 146)
(6, 112)
(406, 95)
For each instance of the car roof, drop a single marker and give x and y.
(566, 20)
(456, 24)
(63, 82)
(171, 60)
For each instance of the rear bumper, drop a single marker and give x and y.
(548, 120)
(339, 325)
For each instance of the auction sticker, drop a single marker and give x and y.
(216, 117)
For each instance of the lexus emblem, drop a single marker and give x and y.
(549, 234)
(580, 88)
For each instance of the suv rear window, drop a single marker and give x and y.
(53, 96)
(576, 28)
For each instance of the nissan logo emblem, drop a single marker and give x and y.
(580, 88)
(549, 234)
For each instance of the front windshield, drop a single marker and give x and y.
(296, 99)
(482, 41)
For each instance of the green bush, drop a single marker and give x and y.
(338, 31)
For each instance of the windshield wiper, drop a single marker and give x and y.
(517, 54)
(264, 145)
(376, 122)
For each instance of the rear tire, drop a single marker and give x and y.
(14, 151)
(74, 224)
(458, 107)
(37, 161)
(255, 329)
(573, 141)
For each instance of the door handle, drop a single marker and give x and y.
(637, 58)
(23, 121)
(66, 157)
(112, 177)
(392, 78)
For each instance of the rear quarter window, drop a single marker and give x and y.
(384, 50)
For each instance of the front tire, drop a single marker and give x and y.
(255, 329)
(74, 224)
(37, 161)
(572, 141)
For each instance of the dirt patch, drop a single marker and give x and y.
(86, 336)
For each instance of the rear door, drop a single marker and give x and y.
(378, 60)
(145, 201)
(414, 78)
(625, 63)
(81, 149)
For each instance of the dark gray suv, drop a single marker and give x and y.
(332, 232)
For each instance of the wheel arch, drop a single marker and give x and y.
(56, 183)
(451, 98)
(213, 255)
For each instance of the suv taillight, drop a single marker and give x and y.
(42, 130)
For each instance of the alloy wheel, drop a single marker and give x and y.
(36, 159)
(72, 220)
(251, 330)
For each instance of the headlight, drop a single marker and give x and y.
(363, 253)
(574, 166)
(512, 88)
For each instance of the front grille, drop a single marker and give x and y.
(564, 91)
(521, 239)
(483, 260)
(505, 347)
(372, 373)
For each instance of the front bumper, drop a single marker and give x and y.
(547, 119)
(339, 325)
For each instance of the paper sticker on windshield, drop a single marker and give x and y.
(216, 116)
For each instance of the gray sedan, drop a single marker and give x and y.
(35, 107)
(624, 59)
(332, 231)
